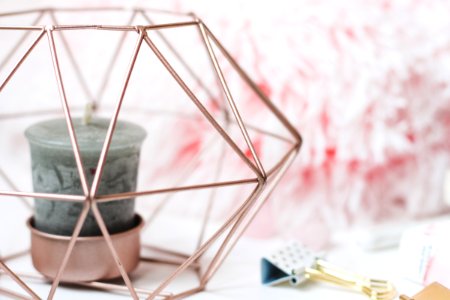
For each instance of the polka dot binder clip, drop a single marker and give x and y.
(295, 264)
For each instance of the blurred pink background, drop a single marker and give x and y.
(367, 85)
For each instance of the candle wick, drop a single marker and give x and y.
(88, 111)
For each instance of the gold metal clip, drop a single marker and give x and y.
(375, 289)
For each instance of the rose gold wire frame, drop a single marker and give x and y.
(263, 183)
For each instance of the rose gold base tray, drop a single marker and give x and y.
(91, 258)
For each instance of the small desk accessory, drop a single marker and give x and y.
(423, 253)
(295, 264)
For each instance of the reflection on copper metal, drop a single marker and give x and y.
(90, 259)
(263, 182)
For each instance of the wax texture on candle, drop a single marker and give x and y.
(54, 170)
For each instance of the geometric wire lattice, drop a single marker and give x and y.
(214, 102)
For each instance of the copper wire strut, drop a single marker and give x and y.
(262, 182)
(22, 284)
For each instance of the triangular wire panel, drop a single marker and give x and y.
(203, 205)
(229, 241)
(227, 115)
(31, 96)
(255, 205)
(15, 44)
(15, 41)
(243, 199)
(242, 86)
(183, 50)
(91, 61)
(74, 262)
(29, 78)
(185, 239)
(199, 76)
(180, 147)
(87, 262)
(91, 126)
(270, 135)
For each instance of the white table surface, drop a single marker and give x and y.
(239, 277)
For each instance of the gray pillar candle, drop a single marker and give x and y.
(54, 170)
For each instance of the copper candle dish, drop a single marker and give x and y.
(91, 259)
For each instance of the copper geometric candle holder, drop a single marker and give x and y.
(233, 127)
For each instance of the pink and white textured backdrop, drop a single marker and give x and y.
(366, 83)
